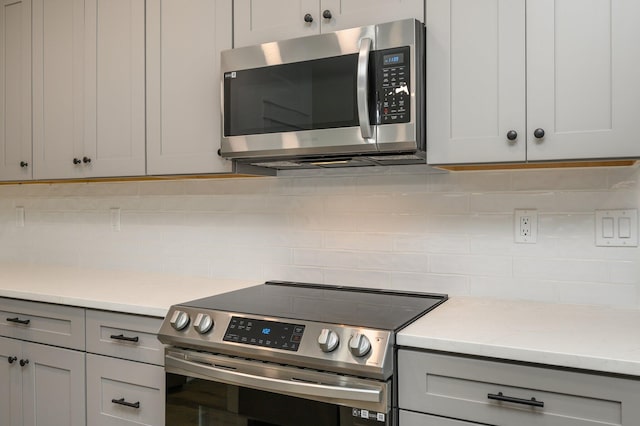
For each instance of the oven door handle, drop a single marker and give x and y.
(363, 88)
(270, 384)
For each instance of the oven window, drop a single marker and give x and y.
(318, 94)
(192, 402)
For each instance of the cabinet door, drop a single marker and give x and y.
(58, 79)
(259, 21)
(475, 81)
(15, 89)
(409, 418)
(583, 63)
(10, 382)
(115, 88)
(184, 40)
(127, 383)
(357, 13)
(53, 386)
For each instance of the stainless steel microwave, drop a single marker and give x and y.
(354, 97)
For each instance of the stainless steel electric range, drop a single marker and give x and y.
(287, 354)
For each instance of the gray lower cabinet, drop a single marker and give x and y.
(448, 390)
(409, 418)
(125, 370)
(122, 392)
(43, 367)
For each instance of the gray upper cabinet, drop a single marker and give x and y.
(15, 90)
(115, 88)
(516, 81)
(88, 88)
(184, 40)
(58, 78)
(58, 87)
(259, 21)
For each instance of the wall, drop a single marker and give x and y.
(401, 228)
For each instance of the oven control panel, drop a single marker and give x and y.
(323, 346)
(269, 334)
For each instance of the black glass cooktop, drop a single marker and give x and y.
(361, 307)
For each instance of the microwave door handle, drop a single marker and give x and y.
(363, 88)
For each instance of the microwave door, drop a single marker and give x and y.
(310, 107)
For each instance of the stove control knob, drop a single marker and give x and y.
(328, 340)
(203, 323)
(179, 320)
(359, 345)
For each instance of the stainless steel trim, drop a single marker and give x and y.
(363, 88)
(302, 383)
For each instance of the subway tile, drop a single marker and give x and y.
(590, 293)
(471, 265)
(559, 179)
(512, 288)
(567, 269)
(357, 278)
(453, 285)
(362, 241)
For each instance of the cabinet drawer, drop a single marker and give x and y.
(506, 394)
(121, 392)
(408, 418)
(55, 325)
(126, 336)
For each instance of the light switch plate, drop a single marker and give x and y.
(617, 228)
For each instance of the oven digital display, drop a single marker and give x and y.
(269, 334)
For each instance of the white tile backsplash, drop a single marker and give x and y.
(407, 228)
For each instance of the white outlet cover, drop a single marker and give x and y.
(518, 234)
(617, 228)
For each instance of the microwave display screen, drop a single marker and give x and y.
(292, 97)
(395, 59)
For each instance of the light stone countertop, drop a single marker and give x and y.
(130, 292)
(584, 337)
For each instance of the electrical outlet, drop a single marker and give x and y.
(526, 226)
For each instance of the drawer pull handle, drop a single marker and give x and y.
(12, 359)
(19, 321)
(121, 401)
(125, 338)
(24, 362)
(531, 402)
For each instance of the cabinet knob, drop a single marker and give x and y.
(308, 18)
(24, 362)
(538, 133)
(12, 359)
(327, 14)
(512, 135)
(77, 161)
(24, 164)
(86, 160)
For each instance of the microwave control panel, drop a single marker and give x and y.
(393, 78)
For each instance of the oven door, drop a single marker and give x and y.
(211, 390)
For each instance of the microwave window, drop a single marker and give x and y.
(318, 94)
